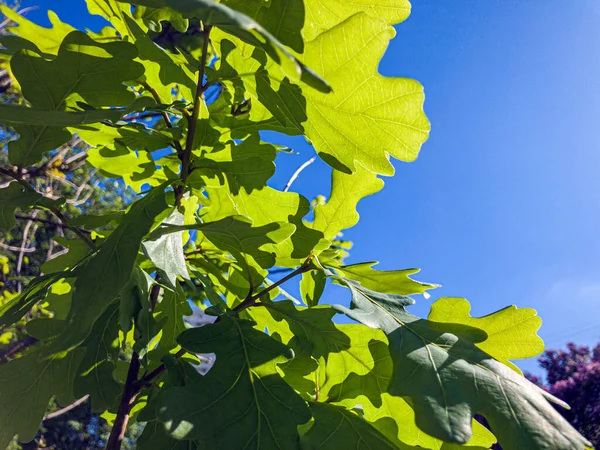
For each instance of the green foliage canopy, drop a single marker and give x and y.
(206, 231)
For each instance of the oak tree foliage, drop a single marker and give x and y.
(182, 276)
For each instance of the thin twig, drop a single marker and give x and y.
(21, 345)
(193, 120)
(51, 222)
(164, 114)
(21, 251)
(10, 248)
(84, 237)
(251, 299)
(75, 157)
(297, 173)
(66, 409)
(18, 177)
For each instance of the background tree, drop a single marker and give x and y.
(36, 239)
(573, 375)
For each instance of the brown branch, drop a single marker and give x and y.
(164, 114)
(132, 388)
(84, 237)
(130, 392)
(186, 157)
(66, 409)
(21, 345)
(18, 176)
(10, 248)
(251, 299)
(51, 222)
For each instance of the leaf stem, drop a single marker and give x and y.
(251, 299)
(186, 157)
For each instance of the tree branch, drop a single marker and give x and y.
(50, 222)
(130, 392)
(297, 173)
(251, 299)
(66, 409)
(18, 177)
(193, 120)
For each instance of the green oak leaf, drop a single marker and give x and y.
(242, 392)
(77, 251)
(295, 21)
(265, 206)
(385, 281)
(44, 328)
(26, 386)
(13, 310)
(460, 379)
(337, 427)
(95, 373)
(339, 213)
(135, 168)
(313, 336)
(511, 332)
(360, 375)
(164, 70)
(15, 115)
(48, 40)
(238, 24)
(366, 119)
(249, 165)
(312, 286)
(101, 277)
(170, 311)
(153, 17)
(347, 365)
(166, 252)
(325, 15)
(102, 69)
(238, 236)
(12, 197)
(134, 136)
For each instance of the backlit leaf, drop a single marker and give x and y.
(98, 81)
(460, 379)
(511, 332)
(101, 277)
(242, 392)
(26, 386)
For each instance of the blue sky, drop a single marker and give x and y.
(503, 205)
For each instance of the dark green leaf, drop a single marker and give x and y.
(335, 427)
(97, 81)
(95, 373)
(241, 394)
(312, 286)
(460, 379)
(102, 276)
(26, 386)
(12, 197)
(242, 26)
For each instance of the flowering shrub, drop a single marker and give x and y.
(573, 375)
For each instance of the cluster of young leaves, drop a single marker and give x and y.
(207, 230)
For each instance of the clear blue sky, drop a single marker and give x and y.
(503, 205)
